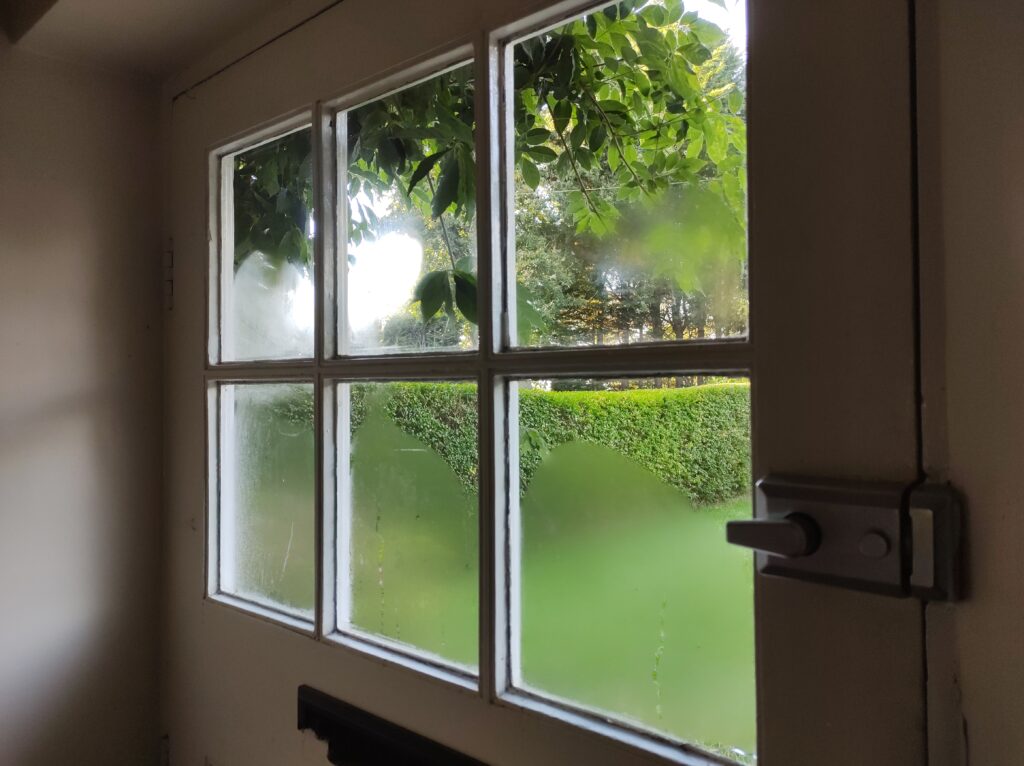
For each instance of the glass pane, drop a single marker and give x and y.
(626, 598)
(267, 251)
(266, 495)
(408, 280)
(630, 177)
(409, 515)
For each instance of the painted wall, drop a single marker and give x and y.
(973, 141)
(80, 383)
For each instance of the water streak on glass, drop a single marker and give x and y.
(412, 516)
(267, 500)
(267, 292)
(629, 602)
(409, 266)
(629, 188)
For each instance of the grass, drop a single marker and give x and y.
(631, 601)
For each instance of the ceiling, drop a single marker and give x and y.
(146, 37)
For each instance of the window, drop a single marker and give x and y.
(471, 401)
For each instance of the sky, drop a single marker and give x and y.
(732, 18)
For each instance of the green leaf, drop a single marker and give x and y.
(608, 105)
(528, 318)
(694, 146)
(433, 291)
(447, 187)
(425, 166)
(709, 34)
(613, 157)
(542, 153)
(577, 136)
(538, 136)
(561, 114)
(597, 137)
(531, 175)
(716, 138)
(735, 100)
(654, 15)
(465, 294)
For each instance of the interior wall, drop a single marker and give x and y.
(80, 394)
(972, 70)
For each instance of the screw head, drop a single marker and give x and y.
(874, 545)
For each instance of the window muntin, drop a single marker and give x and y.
(484, 359)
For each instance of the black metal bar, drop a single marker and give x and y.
(357, 738)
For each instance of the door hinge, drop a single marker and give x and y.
(884, 537)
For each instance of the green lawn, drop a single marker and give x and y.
(631, 601)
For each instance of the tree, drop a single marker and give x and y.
(627, 122)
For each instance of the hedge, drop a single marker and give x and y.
(696, 438)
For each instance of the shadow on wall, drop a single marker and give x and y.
(79, 416)
(76, 654)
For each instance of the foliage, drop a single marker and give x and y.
(273, 200)
(627, 122)
(696, 439)
(443, 415)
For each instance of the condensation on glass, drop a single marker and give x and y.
(628, 179)
(408, 510)
(626, 599)
(266, 291)
(266, 513)
(407, 244)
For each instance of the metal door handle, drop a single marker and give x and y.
(884, 537)
(791, 536)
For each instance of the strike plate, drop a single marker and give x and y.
(883, 537)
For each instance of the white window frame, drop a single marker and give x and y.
(492, 365)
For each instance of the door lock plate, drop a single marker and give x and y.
(883, 537)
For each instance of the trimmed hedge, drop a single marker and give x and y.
(696, 438)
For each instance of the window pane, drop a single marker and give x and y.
(630, 177)
(409, 515)
(267, 251)
(626, 598)
(408, 275)
(266, 495)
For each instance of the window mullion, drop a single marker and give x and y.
(323, 241)
(339, 328)
(489, 232)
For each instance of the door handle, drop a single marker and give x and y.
(884, 537)
(791, 536)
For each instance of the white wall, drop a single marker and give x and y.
(80, 386)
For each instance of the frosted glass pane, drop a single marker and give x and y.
(409, 281)
(411, 516)
(267, 500)
(629, 177)
(267, 294)
(630, 602)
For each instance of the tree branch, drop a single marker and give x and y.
(444, 228)
(579, 177)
